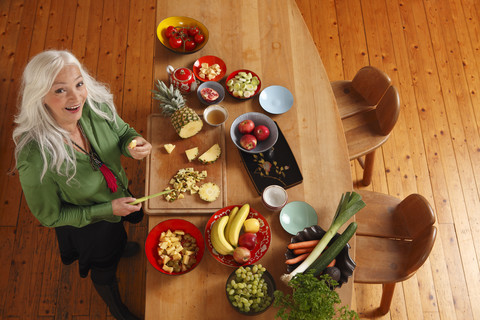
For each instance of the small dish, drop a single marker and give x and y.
(151, 243)
(240, 72)
(258, 119)
(214, 86)
(264, 237)
(215, 115)
(274, 197)
(181, 22)
(211, 60)
(276, 99)
(271, 287)
(296, 216)
(343, 260)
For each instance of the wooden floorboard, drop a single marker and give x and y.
(430, 49)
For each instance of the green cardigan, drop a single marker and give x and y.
(86, 198)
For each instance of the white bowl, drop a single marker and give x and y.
(276, 99)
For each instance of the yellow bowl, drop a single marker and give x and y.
(180, 22)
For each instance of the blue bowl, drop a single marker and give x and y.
(276, 99)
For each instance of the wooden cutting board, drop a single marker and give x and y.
(162, 166)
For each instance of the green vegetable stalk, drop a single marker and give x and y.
(150, 197)
(350, 203)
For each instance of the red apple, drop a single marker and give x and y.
(246, 126)
(248, 240)
(248, 141)
(261, 132)
(241, 255)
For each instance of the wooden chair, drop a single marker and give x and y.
(362, 93)
(367, 131)
(394, 239)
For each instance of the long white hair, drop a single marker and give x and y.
(35, 122)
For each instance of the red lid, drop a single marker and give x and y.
(183, 74)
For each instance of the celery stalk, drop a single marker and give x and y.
(350, 203)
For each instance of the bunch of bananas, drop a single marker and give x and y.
(226, 230)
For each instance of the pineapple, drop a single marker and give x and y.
(169, 147)
(211, 155)
(185, 120)
(191, 153)
(209, 192)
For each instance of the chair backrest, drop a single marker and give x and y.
(371, 83)
(415, 214)
(420, 249)
(388, 110)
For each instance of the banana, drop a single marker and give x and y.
(237, 224)
(231, 216)
(219, 241)
(219, 248)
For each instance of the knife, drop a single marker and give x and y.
(150, 197)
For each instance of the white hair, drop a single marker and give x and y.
(35, 122)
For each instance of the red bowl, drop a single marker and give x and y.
(211, 60)
(264, 237)
(151, 244)
(233, 74)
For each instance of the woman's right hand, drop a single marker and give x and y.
(122, 208)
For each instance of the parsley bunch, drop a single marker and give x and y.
(312, 299)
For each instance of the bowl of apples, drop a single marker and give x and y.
(254, 132)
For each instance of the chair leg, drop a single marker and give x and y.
(368, 168)
(387, 295)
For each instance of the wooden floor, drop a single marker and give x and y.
(431, 50)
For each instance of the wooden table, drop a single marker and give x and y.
(270, 38)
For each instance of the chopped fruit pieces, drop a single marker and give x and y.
(185, 180)
(209, 192)
(169, 147)
(191, 153)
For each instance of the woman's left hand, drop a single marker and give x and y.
(141, 150)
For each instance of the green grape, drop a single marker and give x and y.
(249, 290)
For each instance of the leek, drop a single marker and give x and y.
(350, 203)
(150, 197)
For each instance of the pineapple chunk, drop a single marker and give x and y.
(169, 147)
(211, 155)
(167, 268)
(209, 192)
(132, 144)
(191, 153)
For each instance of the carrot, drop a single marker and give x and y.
(332, 264)
(303, 250)
(303, 244)
(297, 258)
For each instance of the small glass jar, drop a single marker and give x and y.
(274, 197)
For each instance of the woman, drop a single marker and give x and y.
(69, 139)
